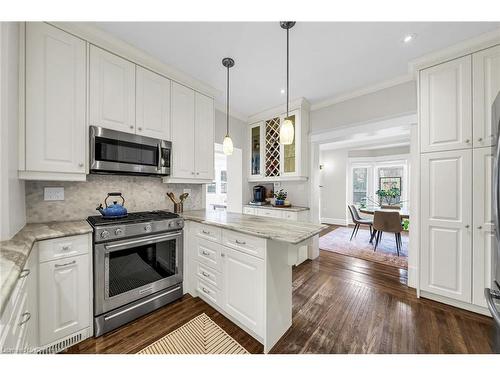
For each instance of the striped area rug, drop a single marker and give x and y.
(198, 336)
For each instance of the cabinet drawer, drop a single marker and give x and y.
(269, 213)
(248, 244)
(208, 253)
(249, 210)
(288, 215)
(63, 247)
(208, 232)
(209, 275)
(207, 292)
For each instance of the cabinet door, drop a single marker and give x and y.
(183, 152)
(486, 81)
(289, 155)
(244, 288)
(204, 137)
(112, 91)
(484, 244)
(64, 297)
(256, 136)
(55, 100)
(152, 104)
(446, 208)
(445, 106)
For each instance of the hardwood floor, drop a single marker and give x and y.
(340, 305)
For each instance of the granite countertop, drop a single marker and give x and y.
(289, 231)
(271, 207)
(14, 252)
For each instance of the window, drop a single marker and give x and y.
(211, 188)
(223, 188)
(223, 176)
(359, 184)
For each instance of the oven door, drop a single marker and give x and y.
(128, 270)
(113, 151)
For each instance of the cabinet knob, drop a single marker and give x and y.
(80, 165)
(222, 255)
(140, 129)
(480, 139)
(131, 126)
(192, 173)
(197, 173)
(480, 227)
(467, 141)
(467, 226)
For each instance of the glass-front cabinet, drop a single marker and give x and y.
(271, 161)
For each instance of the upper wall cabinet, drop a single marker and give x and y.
(486, 86)
(271, 161)
(112, 91)
(192, 136)
(445, 110)
(54, 129)
(152, 104)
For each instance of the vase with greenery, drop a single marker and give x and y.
(280, 196)
(390, 196)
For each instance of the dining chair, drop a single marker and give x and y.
(358, 220)
(390, 222)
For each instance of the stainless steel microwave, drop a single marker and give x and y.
(118, 152)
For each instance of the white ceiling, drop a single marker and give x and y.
(326, 59)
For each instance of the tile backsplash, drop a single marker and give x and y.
(82, 198)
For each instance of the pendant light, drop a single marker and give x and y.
(227, 145)
(287, 130)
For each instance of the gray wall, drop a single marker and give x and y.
(12, 204)
(390, 102)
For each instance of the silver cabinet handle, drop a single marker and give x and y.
(205, 231)
(205, 252)
(205, 274)
(240, 242)
(205, 290)
(66, 247)
(24, 273)
(65, 264)
(27, 317)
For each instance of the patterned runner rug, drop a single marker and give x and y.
(200, 335)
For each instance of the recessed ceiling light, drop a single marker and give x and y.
(282, 91)
(408, 38)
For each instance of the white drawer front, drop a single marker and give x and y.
(208, 253)
(207, 292)
(269, 213)
(208, 232)
(63, 247)
(288, 215)
(249, 210)
(209, 275)
(248, 244)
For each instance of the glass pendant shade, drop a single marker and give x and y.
(287, 132)
(227, 145)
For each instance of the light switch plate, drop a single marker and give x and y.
(53, 194)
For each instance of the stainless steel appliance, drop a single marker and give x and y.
(259, 195)
(137, 266)
(493, 294)
(117, 152)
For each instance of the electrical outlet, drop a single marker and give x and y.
(187, 191)
(53, 194)
(277, 185)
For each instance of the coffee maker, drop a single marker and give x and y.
(259, 195)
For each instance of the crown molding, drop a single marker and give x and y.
(104, 40)
(465, 47)
(362, 91)
(301, 103)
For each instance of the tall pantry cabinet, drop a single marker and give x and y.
(457, 142)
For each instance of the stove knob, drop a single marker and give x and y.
(118, 231)
(148, 228)
(104, 234)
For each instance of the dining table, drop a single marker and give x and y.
(370, 210)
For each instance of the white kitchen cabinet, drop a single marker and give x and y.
(152, 104)
(446, 238)
(486, 87)
(484, 243)
(445, 106)
(112, 91)
(55, 107)
(183, 132)
(64, 297)
(204, 137)
(244, 288)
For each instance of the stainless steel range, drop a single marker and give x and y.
(137, 266)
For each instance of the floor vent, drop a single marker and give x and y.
(65, 343)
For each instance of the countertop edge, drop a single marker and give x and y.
(271, 207)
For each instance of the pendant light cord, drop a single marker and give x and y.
(287, 70)
(227, 104)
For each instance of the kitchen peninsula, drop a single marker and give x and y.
(242, 266)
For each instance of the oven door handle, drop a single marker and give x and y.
(142, 241)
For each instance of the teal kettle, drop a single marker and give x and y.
(115, 210)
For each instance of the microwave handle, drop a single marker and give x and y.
(159, 157)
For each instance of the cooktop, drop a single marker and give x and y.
(132, 217)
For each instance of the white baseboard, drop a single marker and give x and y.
(455, 303)
(331, 220)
